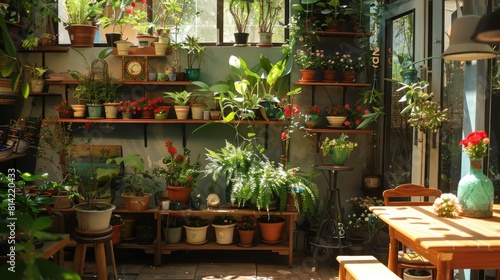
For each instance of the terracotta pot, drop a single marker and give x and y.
(334, 26)
(349, 77)
(66, 115)
(330, 76)
(136, 203)
(181, 194)
(148, 114)
(307, 75)
(246, 237)
(82, 35)
(271, 231)
(117, 234)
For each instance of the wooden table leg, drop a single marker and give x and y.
(393, 253)
(79, 259)
(100, 261)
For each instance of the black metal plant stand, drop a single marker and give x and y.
(331, 234)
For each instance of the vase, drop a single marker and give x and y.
(224, 233)
(312, 121)
(246, 237)
(349, 77)
(339, 155)
(330, 76)
(307, 75)
(181, 112)
(173, 235)
(475, 192)
(196, 235)
(181, 194)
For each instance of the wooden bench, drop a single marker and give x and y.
(363, 268)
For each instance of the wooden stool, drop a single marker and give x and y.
(99, 240)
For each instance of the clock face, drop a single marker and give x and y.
(134, 68)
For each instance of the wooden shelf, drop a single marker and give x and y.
(145, 83)
(330, 84)
(166, 121)
(45, 49)
(13, 156)
(43, 94)
(335, 130)
(326, 33)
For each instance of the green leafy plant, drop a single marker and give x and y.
(180, 98)
(196, 221)
(328, 146)
(194, 51)
(116, 18)
(247, 223)
(82, 11)
(35, 71)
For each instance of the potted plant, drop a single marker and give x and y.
(268, 16)
(336, 114)
(168, 15)
(173, 229)
(312, 116)
(309, 60)
(333, 13)
(146, 106)
(80, 15)
(350, 67)
(128, 109)
(363, 226)
(114, 15)
(340, 149)
(37, 82)
(179, 172)
(65, 110)
(137, 16)
(109, 85)
(359, 13)
(116, 223)
(224, 229)
(139, 183)
(270, 228)
(194, 53)
(196, 230)
(246, 226)
(240, 10)
(181, 99)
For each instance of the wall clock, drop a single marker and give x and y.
(134, 68)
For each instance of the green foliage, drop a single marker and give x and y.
(138, 180)
(82, 11)
(180, 98)
(194, 51)
(116, 19)
(223, 220)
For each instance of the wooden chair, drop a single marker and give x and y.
(402, 196)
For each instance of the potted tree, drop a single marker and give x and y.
(268, 16)
(81, 13)
(240, 10)
(194, 53)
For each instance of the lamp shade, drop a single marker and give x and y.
(488, 28)
(461, 46)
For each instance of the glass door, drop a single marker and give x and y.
(403, 27)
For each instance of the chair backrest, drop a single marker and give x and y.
(404, 193)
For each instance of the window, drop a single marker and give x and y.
(210, 20)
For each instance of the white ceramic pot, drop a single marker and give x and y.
(224, 233)
(196, 235)
(173, 235)
(266, 38)
(197, 111)
(93, 220)
(160, 48)
(79, 110)
(123, 47)
(110, 110)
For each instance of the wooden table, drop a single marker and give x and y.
(462, 243)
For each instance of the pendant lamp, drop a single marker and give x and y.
(461, 47)
(488, 28)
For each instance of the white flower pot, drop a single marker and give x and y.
(197, 111)
(123, 47)
(196, 235)
(224, 233)
(93, 220)
(110, 110)
(172, 235)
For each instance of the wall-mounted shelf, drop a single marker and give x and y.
(330, 84)
(146, 122)
(326, 33)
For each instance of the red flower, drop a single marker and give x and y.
(168, 143)
(283, 135)
(172, 150)
(132, 4)
(87, 125)
(179, 158)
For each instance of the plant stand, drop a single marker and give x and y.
(331, 232)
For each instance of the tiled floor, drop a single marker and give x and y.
(239, 265)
